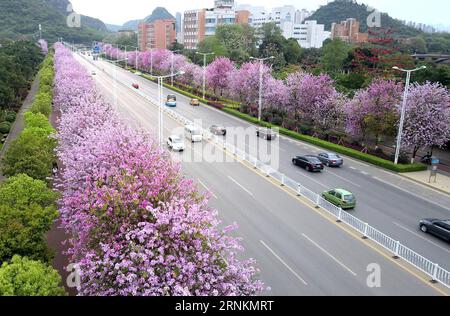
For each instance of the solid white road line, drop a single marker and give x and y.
(342, 178)
(330, 255)
(204, 185)
(313, 180)
(421, 237)
(413, 194)
(284, 263)
(243, 188)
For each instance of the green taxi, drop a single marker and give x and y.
(340, 197)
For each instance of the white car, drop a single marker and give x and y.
(175, 143)
(93, 73)
(193, 133)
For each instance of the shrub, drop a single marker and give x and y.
(42, 104)
(38, 120)
(216, 105)
(5, 127)
(10, 116)
(24, 277)
(32, 153)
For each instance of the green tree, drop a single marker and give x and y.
(273, 44)
(42, 103)
(335, 53)
(293, 51)
(38, 120)
(211, 44)
(24, 277)
(32, 153)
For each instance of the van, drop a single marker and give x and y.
(193, 133)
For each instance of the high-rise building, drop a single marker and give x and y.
(348, 31)
(310, 34)
(198, 24)
(179, 27)
(158, 34)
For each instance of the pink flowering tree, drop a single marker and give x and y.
(137, 226)
(374, 110)
(192, 75)
(427, 120)
(218, 74)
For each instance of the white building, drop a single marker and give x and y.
(310, 34)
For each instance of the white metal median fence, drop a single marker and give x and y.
(398, 250)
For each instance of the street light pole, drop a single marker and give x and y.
(261, 64)
(204, 71)
(403, 111)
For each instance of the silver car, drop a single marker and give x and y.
(331, 159)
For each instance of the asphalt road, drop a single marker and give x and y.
(386, 201)
(299, 251)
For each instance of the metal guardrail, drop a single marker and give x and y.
(398, 250)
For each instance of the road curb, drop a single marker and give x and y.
(424, 184)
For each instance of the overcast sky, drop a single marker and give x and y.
(120, 11)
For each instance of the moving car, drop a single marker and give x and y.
(175, 143)
(194, 102)
(439, 228)
(340, 197)
(135, 85)
(93, 72)
(193, 133)
(331, 159)
(171, 101)
(266, 133)
(218, 130)
(310, 163)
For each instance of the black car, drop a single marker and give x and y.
(439, 228)
(331, 159)
(310, 163)
(218, 130)
(266, 133)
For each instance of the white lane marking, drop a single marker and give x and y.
(342, 178)
(313, 180)
(243, 188)
(416, 234)
(365, 173)
(353, 168)
(413, 194)
(284, 263)
(207, 189)
(330, 255)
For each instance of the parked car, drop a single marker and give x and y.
(176, 143)
(266, 133)
(439, 228)
(93, 72)
(331, 159)
(135, 85)
(310, 163)
(340, 197)
(194, 102)
(218, 130)
(171, 101)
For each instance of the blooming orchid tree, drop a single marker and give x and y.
(427, 119)
(137, 226)
(218, 74)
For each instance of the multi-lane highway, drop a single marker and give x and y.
(299, 251)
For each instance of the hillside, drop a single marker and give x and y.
(158, 13)
(340, 10)
(20, 19)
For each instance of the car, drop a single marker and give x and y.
(266, 133)
(194, 102)
(171, 101)
(331, 159)
(193, 133)
(138, 73)
(93, 73)
(439, 228)
(218, 130)
(176, 143)
(340, 197)
(135, 85)
(310, 163)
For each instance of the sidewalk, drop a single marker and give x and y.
(19, 124)
(442, 183)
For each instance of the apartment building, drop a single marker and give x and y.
(158, 34)
(348, 31)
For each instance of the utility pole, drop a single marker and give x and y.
(403, 111)
(261, 64)
(204, 70)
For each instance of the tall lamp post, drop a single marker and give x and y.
(204, 70)
(161, 103)
(261, 64)
(403, 111)
(173, 55)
